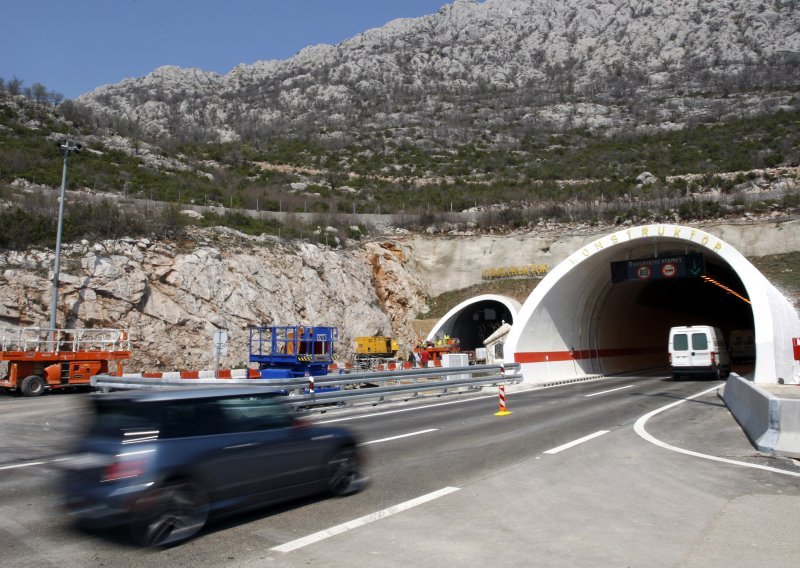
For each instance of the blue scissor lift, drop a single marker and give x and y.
(287, 352)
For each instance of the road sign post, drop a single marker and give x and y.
(220, 347)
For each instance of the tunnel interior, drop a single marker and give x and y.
(719, 300)
(632, 326)
(475, 322)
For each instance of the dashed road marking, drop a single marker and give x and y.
(399, 437)
(576, 442)
(608, 391)
(361, 521)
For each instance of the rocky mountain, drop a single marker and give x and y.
(173, 295)
(494, 71)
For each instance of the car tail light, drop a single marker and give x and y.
(300, 423)
(713, 358)
(126, 466)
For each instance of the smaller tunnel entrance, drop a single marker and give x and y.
(472, 321)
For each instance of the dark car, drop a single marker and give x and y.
(165, 461)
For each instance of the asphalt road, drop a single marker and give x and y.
(577, 475)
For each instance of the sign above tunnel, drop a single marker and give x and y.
(664, 268)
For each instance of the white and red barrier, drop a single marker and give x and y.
(221, 374)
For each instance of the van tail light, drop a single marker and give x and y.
(713, 358)
(126, 467)
(670, 358)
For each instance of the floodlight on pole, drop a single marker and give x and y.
(66, 147)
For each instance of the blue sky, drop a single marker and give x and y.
(74, 46)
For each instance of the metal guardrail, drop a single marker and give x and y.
(343, 390)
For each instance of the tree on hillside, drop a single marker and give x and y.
(14, 86)
(55, 98)
(39, 94)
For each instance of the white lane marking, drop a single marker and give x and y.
(576, 442)
(21, 465)
(640, 429)
(608, 391)
(400, 436)
(360, 522)
(397, 411)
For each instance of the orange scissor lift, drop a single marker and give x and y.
(35, 359)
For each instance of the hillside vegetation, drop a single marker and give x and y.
(575, 176)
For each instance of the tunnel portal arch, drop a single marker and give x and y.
(577, 322)
(474, 320)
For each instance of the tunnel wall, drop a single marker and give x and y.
(570, 324)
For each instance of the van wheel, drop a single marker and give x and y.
(32, 385)
(174, 513)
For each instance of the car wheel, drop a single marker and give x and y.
(344, 476)
(171, 514)
(32, 386)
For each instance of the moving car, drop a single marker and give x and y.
(165, 461)
(698, 350)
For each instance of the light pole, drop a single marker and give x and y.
(66, 147)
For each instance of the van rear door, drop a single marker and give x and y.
(680, 350)
(700, 352)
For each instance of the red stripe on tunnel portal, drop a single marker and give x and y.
(551, 356)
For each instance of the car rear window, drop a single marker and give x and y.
(680, 342)
(699, 341)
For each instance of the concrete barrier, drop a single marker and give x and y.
(789, 438)
(772, 423)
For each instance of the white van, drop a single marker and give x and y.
(698, 350)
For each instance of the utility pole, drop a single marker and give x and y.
(66, 147)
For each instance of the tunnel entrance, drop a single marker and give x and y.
(579, 321)
(473, 321)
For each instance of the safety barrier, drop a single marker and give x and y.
(192, 375)
(339, 390)
(771, 422)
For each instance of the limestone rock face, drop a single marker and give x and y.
(172, 300)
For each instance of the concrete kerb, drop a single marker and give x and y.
(771, 422)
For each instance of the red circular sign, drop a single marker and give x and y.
(643, 272)
(669, 270)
